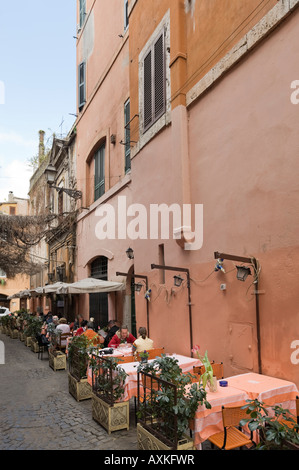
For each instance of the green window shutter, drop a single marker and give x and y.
(127, 137)
(81, 85)
(99, 177)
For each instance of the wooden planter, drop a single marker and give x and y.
(80, 390)
(147, 441)
(57, 361)
(34, 346)
(28, 341)
(111, 417)
(21, 336)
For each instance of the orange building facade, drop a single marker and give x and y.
(211, 183)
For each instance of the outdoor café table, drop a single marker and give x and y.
(184, 362)
(209, 421)
(269, 390)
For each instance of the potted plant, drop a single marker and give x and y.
(108, 386)
(167, 407)
(33, 327)
(207, 378)
(144, 356)
(78, 358)
(278, 431)
(57, 359)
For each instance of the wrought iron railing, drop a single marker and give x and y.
(156, 400)
(108, 378)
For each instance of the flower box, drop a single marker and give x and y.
(111, 417)
(57, 360)
(21, 336)
(147, 441)
(28, 341)
(80, 390)
(15, 334)
(34, 346)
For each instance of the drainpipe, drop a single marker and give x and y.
(254, 263)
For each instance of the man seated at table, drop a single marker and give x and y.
(143, 342)
(92, 335)
(121, 338)
(112, 329)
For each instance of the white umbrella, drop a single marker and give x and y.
(53, 287)
(90, 285)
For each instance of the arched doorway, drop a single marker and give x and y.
(98, 303)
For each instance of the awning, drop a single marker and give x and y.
(89, 286)
(50, 288)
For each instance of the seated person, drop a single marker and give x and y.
(82, 328)
(142, 343)
(112, 329)
(121, 338)
(64, 328)
(92, 335)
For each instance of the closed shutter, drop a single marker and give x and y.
(159, 77)
(148, 106)
(81, 84)
(127, 137)
(99, 180)
(154, 83)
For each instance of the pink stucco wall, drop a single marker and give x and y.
(243, 148)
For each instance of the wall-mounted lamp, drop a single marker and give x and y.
(243, 272)
(130, 253)
(138, 287)
(50, 173)
(178, 281)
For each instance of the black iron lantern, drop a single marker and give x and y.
(178, 281)
(130, 253)
(243, 272)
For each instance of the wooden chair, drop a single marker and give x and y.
(218, 370)
(231, 437)
(155, 352)
(296, 418)
(125, 359)
(63, 339)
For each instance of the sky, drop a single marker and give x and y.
(37, 83)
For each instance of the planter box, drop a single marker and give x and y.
(28, 341)
(147, 441)
(58, 361)
(111, 417)
(34, 346)
(21, 336)
(80, 390)
(15, 334)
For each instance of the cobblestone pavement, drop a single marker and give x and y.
(37, 411)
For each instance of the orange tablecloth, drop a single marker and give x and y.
(209, 421)
(270, 390)
(184, 362)
(266, 389)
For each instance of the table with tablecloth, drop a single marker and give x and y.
(185, 363)
(249, 386)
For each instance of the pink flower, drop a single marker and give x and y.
(196, 349)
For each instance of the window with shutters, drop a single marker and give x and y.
(99, 177)
(81, 85)
(127, 137)
(154, 93)
(154, 82)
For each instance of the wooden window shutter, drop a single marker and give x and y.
(154, 82)
(99, 174)
(159, 77)
(81, 85)
(148, 106)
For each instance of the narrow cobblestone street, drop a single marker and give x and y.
(37, 411)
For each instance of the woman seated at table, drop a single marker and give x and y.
(121, 338)
(143, 342)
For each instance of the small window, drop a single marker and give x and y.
(82, 84)
(127, 137)
(154, 82)
(99, 177)
(12, 210)
(99, 268)
(82, 7)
